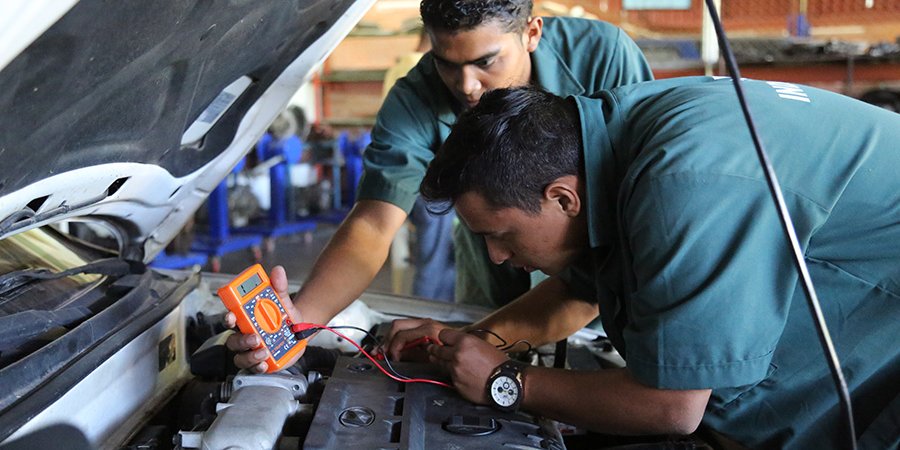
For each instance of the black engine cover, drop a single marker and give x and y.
(362, 408)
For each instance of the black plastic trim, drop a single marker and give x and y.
(136, 312)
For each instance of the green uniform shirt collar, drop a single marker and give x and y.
(548, 71)
(602, 177)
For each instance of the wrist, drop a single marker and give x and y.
(505, 387)
(309, 313)
(485, 334)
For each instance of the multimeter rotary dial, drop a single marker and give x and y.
(268, 316)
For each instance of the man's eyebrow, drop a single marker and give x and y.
(474, 61)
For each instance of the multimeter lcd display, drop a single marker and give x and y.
(249, 285)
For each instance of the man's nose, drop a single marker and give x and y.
(469, 82)
(497, 254)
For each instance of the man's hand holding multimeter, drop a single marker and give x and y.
(251, 353)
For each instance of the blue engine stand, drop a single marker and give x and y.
(164, 260)
(279, 221)
(219, 241)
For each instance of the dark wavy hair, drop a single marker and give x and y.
(508, 148)
(463, 15)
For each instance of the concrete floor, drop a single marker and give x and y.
(298, 254)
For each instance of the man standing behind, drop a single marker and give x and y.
(647, 202)
(476, 46)
(432, 252)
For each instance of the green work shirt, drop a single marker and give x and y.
(693, 274)
(574, 56)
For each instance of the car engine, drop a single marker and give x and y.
(162, 378)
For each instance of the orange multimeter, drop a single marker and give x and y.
(259, 311)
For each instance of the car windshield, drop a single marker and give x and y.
(35, 308)
(48, 250)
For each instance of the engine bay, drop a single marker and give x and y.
(162, 378)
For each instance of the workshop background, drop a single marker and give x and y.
(282, 205)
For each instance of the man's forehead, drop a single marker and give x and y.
(478, 214)
(476, 42)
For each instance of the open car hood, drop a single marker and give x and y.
(131, 112)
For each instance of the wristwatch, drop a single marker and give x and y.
(506, 386)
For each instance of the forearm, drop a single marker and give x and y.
(542, 315)
(350, 261)
(612, 401)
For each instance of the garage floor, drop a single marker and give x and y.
(297, 256)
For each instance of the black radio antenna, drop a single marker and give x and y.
(788, 228)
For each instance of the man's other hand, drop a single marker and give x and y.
(469, 360)
(250, 352)
(404, 331)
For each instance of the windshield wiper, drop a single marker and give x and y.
(107, 266)
(26, 216)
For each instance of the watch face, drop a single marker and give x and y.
(504, 391)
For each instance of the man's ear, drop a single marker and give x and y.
(533, 31)
(563, 193)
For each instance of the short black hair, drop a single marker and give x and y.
(462, 15)
(508, 148)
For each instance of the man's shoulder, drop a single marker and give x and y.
(578, 31)
(421, 75)
(415, 109)
(586, 45)
(417, 89)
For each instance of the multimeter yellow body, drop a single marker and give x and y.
(260, 311)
